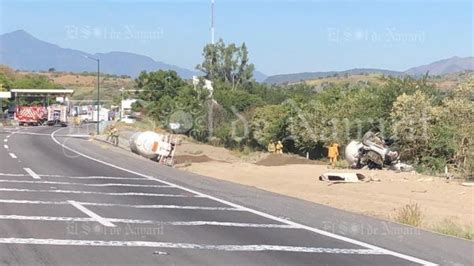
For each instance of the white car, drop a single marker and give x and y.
(128, 119)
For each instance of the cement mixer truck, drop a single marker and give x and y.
(154, 146)
(371, 152)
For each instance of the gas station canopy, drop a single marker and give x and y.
(5, 95)
(42, 93)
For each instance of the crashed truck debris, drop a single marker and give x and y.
(343, 177)
(373, 153)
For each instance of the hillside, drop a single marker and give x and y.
(441, 67)
(20, 50)
(445, 82)
(445, 66)
(291, 78)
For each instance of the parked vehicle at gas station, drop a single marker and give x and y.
(34, 107)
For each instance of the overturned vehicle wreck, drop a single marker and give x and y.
(373, 153)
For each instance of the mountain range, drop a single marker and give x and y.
(21, 50)
(441, 67)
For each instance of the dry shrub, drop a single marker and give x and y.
(410, 214)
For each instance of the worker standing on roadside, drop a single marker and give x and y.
(279, 147)
(115, 136)
(333, 153)
(271, 147)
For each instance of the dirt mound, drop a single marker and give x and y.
(192, 159)
(283, 159)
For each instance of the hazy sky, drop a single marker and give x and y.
(282, 36)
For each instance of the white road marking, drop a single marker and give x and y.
(91, 214)
(13, 155)
(259, 213)
(47, 134)
(135, 221)
(32, 173)
(106, 178)
(248, 248)
(99, 204)
(81, 177)
(5, 174)
(5, 140)
(5, 146)
(97, 193)
(248, 225)
(82, 184)
(45, 218)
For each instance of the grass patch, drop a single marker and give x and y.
(342, 164)
(410, 214)
(449, 227)
(198, 152)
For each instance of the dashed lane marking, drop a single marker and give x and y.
(91, 214)
(256, 212)
(13, 155)
(248, 248)
(5, 146)
(32, 173)
(98, 193)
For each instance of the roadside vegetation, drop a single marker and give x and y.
(431, 127)
(412, 214)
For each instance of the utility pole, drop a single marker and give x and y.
(98, 90)
(212, 21)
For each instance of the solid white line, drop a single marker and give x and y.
(97, 193)
(134, 221)
(5, 146)
(81, 184)
(159, 206)
(4, 174)
(47, 134)
(31, 173)
(106, 178)
(248, 248)
(246, 225)
(262, 214)
(45, 218)
(13, 155)
(91, 214)
(98, 204)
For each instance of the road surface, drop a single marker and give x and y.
(65, 200)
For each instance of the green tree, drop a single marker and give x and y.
(411, 125)
(227, 64)
(5, 83)
(164, 96)
(456, 127)
(269, 123)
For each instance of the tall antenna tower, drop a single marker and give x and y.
(212, 21)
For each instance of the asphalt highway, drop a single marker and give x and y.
(66, 200)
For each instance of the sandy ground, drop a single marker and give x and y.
(438, 199)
